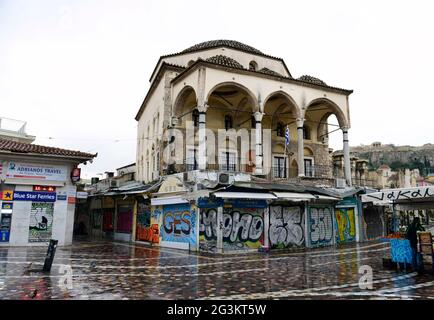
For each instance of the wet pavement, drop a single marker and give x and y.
(107, 270)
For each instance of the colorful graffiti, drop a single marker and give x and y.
(286, 227)
(150, 234)
(242, 229)
(179, 224)
(320, 226)
(208, 230)
(345, 225)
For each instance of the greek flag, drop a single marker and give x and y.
(287, 136)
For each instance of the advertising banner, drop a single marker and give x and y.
(41, 222)
(20, 170)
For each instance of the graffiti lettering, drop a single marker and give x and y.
(177, 222)
(240, 229)
(208, 224)
(286, 226)
(345, 225)
(149, 234)
(321, 226)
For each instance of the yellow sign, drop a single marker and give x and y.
(8, 195)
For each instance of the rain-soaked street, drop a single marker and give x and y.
(106, 270)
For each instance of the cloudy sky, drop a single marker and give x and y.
(77, 71)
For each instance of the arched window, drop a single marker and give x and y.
(195, 118)
(253, 66)
(280, 129)
(306, 133)
(228, 122)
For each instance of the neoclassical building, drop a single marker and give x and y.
(227, 85)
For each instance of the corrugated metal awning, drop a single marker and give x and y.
(321, 197)
(167, 200)
(294, 196)
(244, 195)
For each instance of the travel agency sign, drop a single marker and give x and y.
(20, 170)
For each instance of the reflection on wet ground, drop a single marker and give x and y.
(107, 270)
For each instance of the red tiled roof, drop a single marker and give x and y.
(19, 147)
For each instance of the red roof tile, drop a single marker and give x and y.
(19, 147)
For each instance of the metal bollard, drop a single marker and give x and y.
(50, 255)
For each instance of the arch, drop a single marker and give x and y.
(322, 129)
(278, 147)
(307, 151)
(181, 99)
(288, 97)
(239, 86)
(343, 122)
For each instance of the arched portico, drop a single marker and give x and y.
(233, 107)
(280, 116)
(316, 115)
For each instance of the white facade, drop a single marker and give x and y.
(188, 81)
(55, 218)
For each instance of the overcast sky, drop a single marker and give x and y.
(77, 71)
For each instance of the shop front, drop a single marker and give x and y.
(37, 200)
(347, 220)
(407, 204)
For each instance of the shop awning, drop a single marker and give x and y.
(167, 200)
(294, 196)
(244, 195)
(321, 197)
(388, 196)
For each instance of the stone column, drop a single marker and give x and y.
(219, 230)
(300, 150)
(202, 136)
(258, 137)
(347, 162)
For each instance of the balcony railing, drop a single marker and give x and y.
(222, 164)
(242, 165)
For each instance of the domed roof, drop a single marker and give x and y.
(271, 72)
(222, 43)
(225, 61)
(312, 80)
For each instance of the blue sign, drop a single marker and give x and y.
(34, 196)
(245, 203)
(61, 197)
(209, 203)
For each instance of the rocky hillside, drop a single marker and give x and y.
(397, 157)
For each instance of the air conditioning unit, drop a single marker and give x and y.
(113, 183)
(224, 178)
(340, 183)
